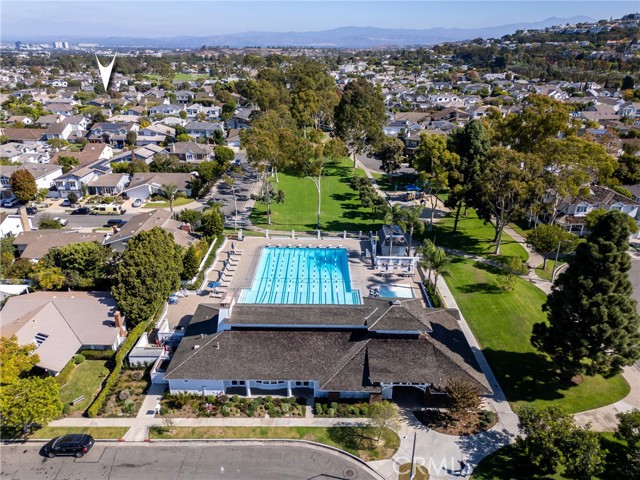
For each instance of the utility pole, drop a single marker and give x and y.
(412, 474)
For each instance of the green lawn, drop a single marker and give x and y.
(340, 209)
(511, 463)
(176, 203)
(95, 432)
(355, 440)
(85, 380)
(502, 323)
(473, 236)
(546, 273)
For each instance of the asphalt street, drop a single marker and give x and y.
(183, 461)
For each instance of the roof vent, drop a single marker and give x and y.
(217, 345)
(195, 347)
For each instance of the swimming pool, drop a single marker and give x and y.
(395, 291)
(302, 276)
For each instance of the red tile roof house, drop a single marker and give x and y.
(63, 323)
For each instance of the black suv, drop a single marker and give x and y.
(71, 444)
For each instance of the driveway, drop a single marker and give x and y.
(185, 460)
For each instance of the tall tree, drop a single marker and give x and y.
(23, 185)
(412, 222)
(436, 163)
(507, 187)
(439, 262)
(593, 324)
(390, 154)
(16, 359)
(29, 401)
(212, 224)
(394, 216)
(147, 274)
(85, 265)
(268, 144)
(541, 118)
(570, 164)
(471, 144)
(546, 239)
(360, 116)
(190, 263)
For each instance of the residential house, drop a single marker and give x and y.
(109, 184)
(65, 109)
(630, 110)
(144, 185)
(338, 351)
(233, 138)
(63, 323)
(573, 213)
(154, 134)
(161, 218)
(203, 129)
(20, 119)
(137, 111)
(23, 135)
(72, 181)
(146, 153)
(14, 224)
(35, 244)
(58, 130)
(192, 152)
(165, 109)
(44, 174)
(111, 133)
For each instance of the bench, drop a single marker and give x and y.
(78, 400)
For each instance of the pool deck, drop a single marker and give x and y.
(241, 274)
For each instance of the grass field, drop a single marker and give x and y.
(473, 236)
(85, 380)
(340, 209)
(546, 273)
(105, 433)
(502, 322)
(511, 463)
(350, 439)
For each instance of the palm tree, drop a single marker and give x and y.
(170, 191)
(394, 216)
(426, 254)
(439, 263)
(412, 222)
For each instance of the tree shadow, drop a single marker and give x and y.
(526, 376)
(353, 438)
(510, 462)
(484, 287)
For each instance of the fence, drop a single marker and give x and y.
(293, 234)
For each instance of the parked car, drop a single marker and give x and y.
(117, 222)
(65, 203)
(77, 444)
(109, 209)
(31, 210)
(81, 211)
(10, 202)
(137, 203)
(61, 221)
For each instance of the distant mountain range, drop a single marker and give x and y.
(343, 37)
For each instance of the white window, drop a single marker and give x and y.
(582, 208)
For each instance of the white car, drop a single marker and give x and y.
(61, 221)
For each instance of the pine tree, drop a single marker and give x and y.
(593, 324)
(190, 263)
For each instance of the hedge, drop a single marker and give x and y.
(65, 374)
(122, 352)
(207, 264)
(97, 354)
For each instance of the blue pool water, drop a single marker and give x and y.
(302, 276)
(395, 291)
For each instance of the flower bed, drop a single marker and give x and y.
(185, 405)
(442, 422)
(342, 409)
(127, 395)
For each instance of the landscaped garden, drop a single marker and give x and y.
(194, 405)
(104, 433)
(440, 421)
(340, 207)
(127, 395)
(83, 380)
(344, 408)
(361, 441)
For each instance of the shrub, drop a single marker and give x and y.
(223, 399)
(334, 405)
(273, 412)
(235, 399)
(66, 409)
(331, 412)
(78, 358)
(251, 410)
(226, 411)
(97, 354)
(285, 407)
(65, 375)
(318, 408)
